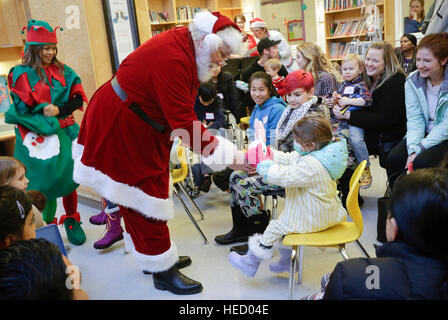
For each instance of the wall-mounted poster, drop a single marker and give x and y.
(5, 99)
(122, 31)
(295, 30)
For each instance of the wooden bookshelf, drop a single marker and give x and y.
(181, 12)
(336, 15)
(12, 20)
(229, 8)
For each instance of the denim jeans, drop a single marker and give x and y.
(358, 144)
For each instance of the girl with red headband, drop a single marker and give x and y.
(45, 93)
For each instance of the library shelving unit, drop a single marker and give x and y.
(229, 8)
(166, 14)
(344, 23)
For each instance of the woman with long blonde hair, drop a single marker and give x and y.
(384, 121)
(310, 58)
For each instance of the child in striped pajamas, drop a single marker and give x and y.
(309, 177)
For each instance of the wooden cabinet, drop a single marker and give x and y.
(343, 24)
(166, 14)
(12, 20)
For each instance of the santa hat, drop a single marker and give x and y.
(257, 23)
(40, 32)
(212, 22)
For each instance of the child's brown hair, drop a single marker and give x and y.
(15, 205)
(313, 128)
(8, 169)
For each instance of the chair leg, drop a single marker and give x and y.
(361, 248)
(291, 271)
(300, 276)
(190, 178)
(343, 252)
(176, 192)
(191, 200)
(274, 207)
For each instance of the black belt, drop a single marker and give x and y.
(135, 107)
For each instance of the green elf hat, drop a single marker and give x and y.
(40, 32)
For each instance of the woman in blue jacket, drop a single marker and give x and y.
(426, 92)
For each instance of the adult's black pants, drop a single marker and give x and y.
(397, 157)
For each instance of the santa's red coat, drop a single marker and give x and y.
(122, 157)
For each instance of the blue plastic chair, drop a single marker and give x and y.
(51, 233)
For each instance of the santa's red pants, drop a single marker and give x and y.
(153, 247)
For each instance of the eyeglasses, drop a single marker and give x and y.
(222, 56)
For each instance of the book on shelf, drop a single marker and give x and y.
(338, 50)
(348, 28)
(331, 5)
(377, 24)
(156, 32)
(158, 17)
(185, 13)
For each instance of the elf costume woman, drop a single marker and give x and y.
(45, 93)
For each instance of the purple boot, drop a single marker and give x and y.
(250, 262)
(284, 263)
(99, 218)
(114, 231)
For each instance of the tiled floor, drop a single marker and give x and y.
(111, 274)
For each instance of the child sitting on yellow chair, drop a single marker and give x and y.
(309, 177)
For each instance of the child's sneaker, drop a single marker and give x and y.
(366, 179)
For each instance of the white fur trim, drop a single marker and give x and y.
(77, 149)
(121, 193)
(128, 243)
(257, 250)
(204, 21)
(107, 210)
(258, 24)
(157, 263)
(223, 155)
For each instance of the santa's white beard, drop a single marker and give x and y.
(203, 62)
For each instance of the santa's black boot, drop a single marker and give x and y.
(239, 228)
(175, 282)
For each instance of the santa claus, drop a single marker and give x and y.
(126, 134)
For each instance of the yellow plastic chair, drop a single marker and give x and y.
(336, 236)
(245, 120)
(179, 175)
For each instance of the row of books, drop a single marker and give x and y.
(158, 17)
(348, 28)
(186, 13)
(338, 50)
(355, 27)
(156, 31)
(331, 5)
